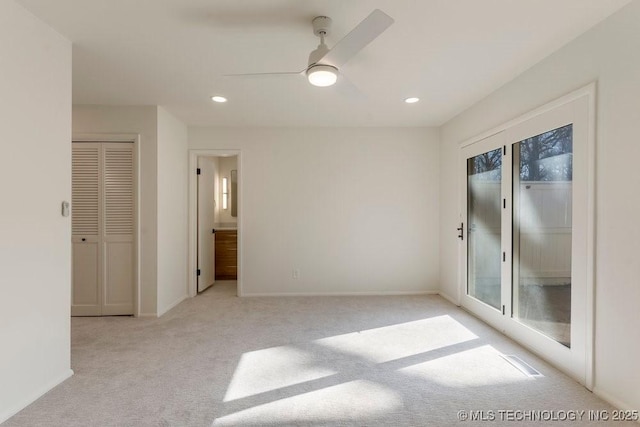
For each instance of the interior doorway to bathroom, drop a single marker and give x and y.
(214, 220)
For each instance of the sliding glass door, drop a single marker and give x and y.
(542, 229)
(526, 203)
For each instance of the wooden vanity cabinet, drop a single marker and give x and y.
(226, 250)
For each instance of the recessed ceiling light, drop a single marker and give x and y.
(218, 98)
(412, 100)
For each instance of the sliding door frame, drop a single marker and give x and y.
(583, 239)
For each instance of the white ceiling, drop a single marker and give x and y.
(450, 53)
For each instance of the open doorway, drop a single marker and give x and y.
(215, 209)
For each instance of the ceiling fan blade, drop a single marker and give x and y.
(285, 73)
(363, 34)
(348, 89)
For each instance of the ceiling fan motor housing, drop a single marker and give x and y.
(318, 54)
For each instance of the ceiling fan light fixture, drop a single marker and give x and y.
(322, 75)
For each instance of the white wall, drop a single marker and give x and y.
(355, 210)
(609, 54)
(173, 165)
(141, 120)
(35, 177)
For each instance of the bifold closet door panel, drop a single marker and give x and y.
(119, 229)
(86, 225)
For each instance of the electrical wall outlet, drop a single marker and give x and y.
(295, 273)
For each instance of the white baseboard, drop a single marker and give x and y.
(338, 294)
(35, 396)
(449, 298)
(613, 401)
(166, 309)
(172, 305)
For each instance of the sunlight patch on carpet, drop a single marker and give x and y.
(271, 370)
(478, 367)
(353, 400)
(274, 368)
(402, 340)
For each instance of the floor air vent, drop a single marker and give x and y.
(523, 366)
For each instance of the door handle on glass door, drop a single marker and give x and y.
(461, 230)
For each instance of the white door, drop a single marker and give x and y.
(206, 222)
(103, 196)
(525, 205)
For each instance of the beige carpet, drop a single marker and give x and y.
(219, 360)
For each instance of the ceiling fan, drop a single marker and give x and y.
(324, 63)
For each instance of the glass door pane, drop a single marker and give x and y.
(484, 199)
(542, 211)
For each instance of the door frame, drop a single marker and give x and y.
(192, 264)
(134, 139)
(588, 91)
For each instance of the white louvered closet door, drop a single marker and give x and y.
(103, 229)
(86, 297)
